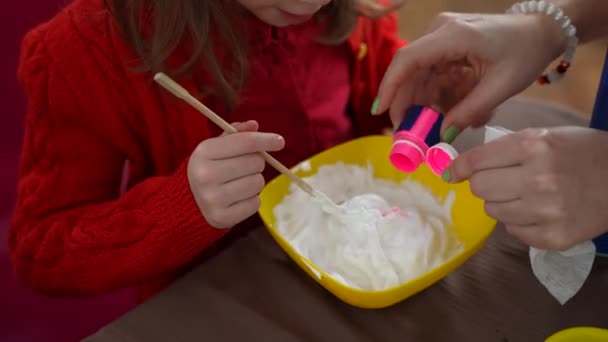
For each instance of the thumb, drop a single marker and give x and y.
(247, 126)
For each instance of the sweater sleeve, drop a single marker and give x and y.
(72, 233)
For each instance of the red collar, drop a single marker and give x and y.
(261, 34)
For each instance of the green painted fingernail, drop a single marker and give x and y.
(446, 176)
(375, 106)
(450, 134)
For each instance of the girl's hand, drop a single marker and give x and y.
(548, 186)
(225, 174)
(465, 65)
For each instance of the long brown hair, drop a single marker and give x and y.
(156, 28)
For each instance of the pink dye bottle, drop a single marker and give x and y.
(417, 140)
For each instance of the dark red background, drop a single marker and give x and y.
(26, 316)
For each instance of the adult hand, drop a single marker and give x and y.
(548, 186)
(225, 173)
(465, 65)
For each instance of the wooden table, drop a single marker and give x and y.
(252, 291)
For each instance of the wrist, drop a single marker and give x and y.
(552, 35)
(561, 35)
(579, 12)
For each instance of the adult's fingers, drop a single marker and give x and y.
(420, 56)
(500, 184)
(541, 236)
(499, 153)
(511, 212)
(403, 99)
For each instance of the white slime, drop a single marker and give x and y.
(381, 235)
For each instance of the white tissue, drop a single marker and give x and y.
(561, 273)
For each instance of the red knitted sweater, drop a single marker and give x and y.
(95, 126)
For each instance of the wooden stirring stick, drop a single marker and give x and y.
(180, 92)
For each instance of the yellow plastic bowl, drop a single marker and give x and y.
(471, 224)
(578, 334)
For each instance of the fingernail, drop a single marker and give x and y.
(446, 176)
(375, 106)
(450, 134)
(280, 142)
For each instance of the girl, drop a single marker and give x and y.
(120, 183)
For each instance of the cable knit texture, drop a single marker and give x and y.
(74, 232)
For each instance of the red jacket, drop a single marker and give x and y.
(73, 232)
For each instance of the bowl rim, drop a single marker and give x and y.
(440, 271)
